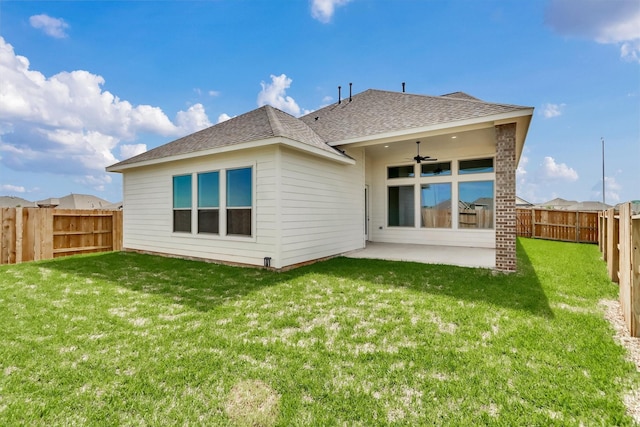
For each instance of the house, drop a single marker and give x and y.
(522, 203)
(267, 188)
(558, 204)
(572, 205)
(75, 201)
(588, 206)
(15, 202)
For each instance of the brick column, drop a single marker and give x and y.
(505, 203)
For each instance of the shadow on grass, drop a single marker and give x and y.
(204, 286)
(521, 290)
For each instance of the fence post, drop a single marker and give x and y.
(19, 226)
(613, 254)
(46, 250)
(634, 275)
(628, 295)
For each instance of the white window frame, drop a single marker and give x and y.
(222, 216)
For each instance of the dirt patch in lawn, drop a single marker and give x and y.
(613, 313)
(252, 403)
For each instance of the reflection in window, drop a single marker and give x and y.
(400, 172)
(476, 204)
(182, 203)
(476, 166)
(208, 202)
(239, 201)
(435, 169)
(435, 205)
(401, 206)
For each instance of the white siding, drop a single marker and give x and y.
(148, 214)
(321, 206)
(376, 178)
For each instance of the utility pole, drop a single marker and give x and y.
(603, 199)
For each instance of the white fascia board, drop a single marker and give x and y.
(317, 151)
(438, 129)
(237, 147)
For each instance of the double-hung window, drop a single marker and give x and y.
(182, 203)
(239, 201)
(209, 202)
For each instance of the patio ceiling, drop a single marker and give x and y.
(443, 146)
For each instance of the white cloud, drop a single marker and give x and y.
(223, 117)
(552, 110)
(192, 120)
(97, 182)
(611, 189)
(274, 94)
(553, 170)
(630, 51)
(214, 93)
(129, 150)
(323, 10)
(54, 27)
(521, 171)
(605, 21)
(13, 188)
(68, 124)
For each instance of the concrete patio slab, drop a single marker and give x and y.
(428, 254)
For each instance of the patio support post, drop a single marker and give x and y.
(505, 170)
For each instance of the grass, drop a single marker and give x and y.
(129, 339)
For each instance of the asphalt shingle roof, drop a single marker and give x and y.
(261, 123)
(375, 111)
(368, 113)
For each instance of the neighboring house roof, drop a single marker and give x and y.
(483, 201)
(14, 202)
(557, 203)
(372, 112)
(262, 123)
(114, 206)
(587, 206)
(76, 201)
(51, 202)
(522, 202)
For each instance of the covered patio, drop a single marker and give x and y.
(428, 254)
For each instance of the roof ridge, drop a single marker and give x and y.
(274, 121)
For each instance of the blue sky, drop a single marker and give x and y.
(84, 84)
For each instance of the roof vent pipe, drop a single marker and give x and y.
(339, 95)
(350, 91)
(402, 87)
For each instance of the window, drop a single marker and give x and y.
(435, 169)
(182, 203)
(476, 166)
(452, 194)
(239, 201)
(476, 204)
(435, 205)
(400, 172)
(209, 202)
(401, 206)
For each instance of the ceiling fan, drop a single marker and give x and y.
(419, 159)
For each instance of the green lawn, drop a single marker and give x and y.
(129, 339)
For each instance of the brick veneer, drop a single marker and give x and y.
(506, 197)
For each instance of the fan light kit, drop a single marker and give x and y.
(419, 159)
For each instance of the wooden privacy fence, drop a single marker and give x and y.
(30, 234)
(620, 246)
(567, 226)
